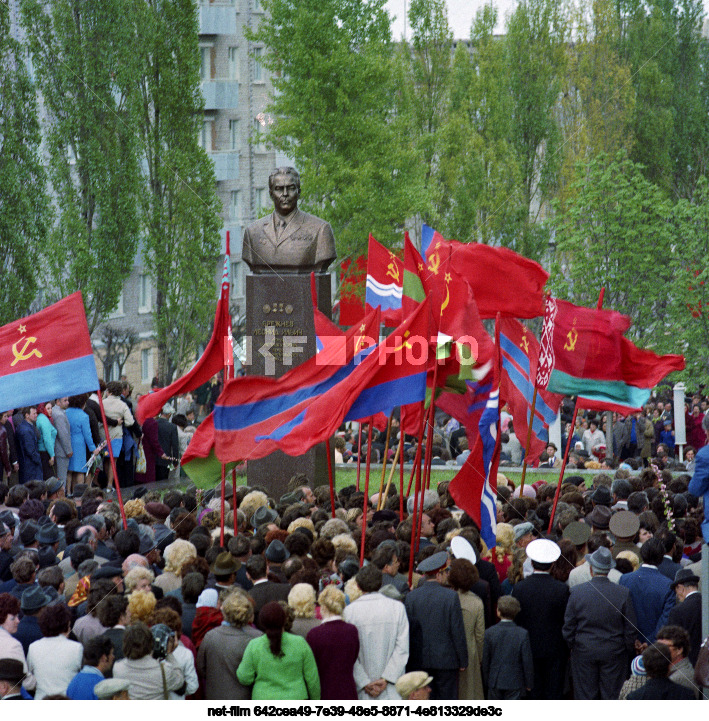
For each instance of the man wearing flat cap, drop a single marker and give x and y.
(543, 600)
(436, 632)
(688, 611)
(414, 686)
(599, 626)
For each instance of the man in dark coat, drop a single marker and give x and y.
(169, 442)
(651, 592)
(658, 687)
(543, 600)
(436, 633)
(688, 611)
(263, 591)
(599, 626)
(28, 447)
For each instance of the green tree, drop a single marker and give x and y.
(615, 232)
(333, 108)
(178, 195)
(84, 59)
(687, 324)
(480, 177)
(24, 209)
(536, 55)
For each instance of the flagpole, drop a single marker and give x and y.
(418, 447)
(112, 460)
(391, 474)
(359, 453)
(401, 474)
(330, 477)
(571, 433)
(384, 461)
(228, 361)
(366, 488)
(530, 421)
(233, 498)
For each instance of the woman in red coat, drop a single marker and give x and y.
(152, 450)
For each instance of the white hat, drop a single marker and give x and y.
(462, 549)
(543, 551)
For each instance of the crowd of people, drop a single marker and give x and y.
(598, 601)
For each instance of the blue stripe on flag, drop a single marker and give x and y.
(68, 378)
(515, 352)
(283, 430)
(382, 397)
(488, 434)
(526, 388)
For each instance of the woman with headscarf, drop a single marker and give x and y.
(207, 616)
(280, 665)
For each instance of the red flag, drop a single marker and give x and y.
(47, 355)
(503, 281)
(352, 281)
(520, 354)
(385, 276)
(211, 362)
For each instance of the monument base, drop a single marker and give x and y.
(279, 321)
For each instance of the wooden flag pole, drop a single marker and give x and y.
(384, 461)
(359, 454)
(391, 475)
(233, 490)
(112, 460)
(330, 477)
(563, 466)
(366, 491)
(418, 447)
(530, 421)
(401, 475)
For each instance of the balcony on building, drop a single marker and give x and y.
(226, 166)
(217, 18)
(220, 94)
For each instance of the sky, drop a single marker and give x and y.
(460, 15)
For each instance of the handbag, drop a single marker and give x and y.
(701, 668)
(141, 465)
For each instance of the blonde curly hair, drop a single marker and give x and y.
(505, 541)
(177, 554)
(252, 501)
(136, 574)
(332, 599)
(302, 523)
(134, 508)
(140, 605)
(302, 600)
(352, 590)
(345, 542)
(237, 609)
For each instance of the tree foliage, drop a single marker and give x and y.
(84, 59)
(24, 207)
(178, 190)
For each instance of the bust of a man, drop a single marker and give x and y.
(288, 240)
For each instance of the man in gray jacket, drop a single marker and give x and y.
(62, 444)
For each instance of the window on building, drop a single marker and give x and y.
(257, 6)
(145, 294)
(205, 70)
(204, 139)
(236, 280)
(117, 312)
(258, 140)
(114, 372)
(260, 200)
(258, 67)
(234, 134)
(233, 63)
(235, 205)
(146, 365)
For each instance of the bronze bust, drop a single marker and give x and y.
(288, 240)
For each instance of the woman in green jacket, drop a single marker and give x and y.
(280, 665)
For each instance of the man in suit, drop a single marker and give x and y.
(436, 632)
(668, 567)
(650, 591)
(688, 611)
(62, 445)
(543, 600)
(599, 626)
(288, 240)
(263, 591)
(28, 446)
(169, 442)
(507, 664)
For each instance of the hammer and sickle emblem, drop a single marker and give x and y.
(24, 354)
(434, 263)
(571, 338)
(393, 268)
(405, 344)
(525, 344)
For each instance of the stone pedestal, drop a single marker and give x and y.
(279, 320)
